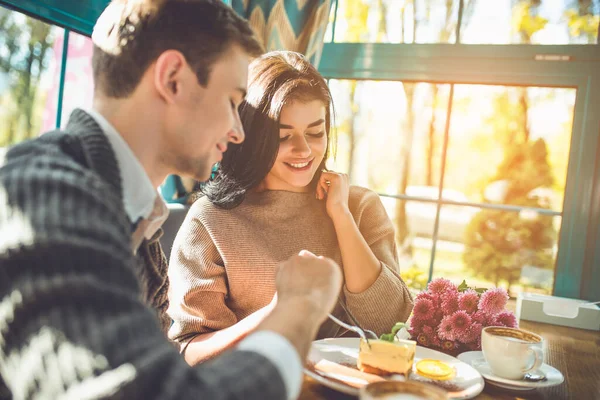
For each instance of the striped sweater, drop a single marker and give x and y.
(77, 309)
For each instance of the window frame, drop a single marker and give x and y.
(75, 15)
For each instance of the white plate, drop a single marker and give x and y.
(466, 384)
(477, 361)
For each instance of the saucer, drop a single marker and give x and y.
(477, 361)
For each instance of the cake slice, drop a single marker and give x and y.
(386, 358)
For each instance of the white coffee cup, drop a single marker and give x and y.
(512, 352)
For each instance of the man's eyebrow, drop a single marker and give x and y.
(316, 123)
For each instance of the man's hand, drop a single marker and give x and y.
(310, 281)
(307, 290)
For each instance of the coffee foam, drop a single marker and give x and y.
(514, 334)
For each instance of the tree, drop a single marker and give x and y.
(356, 13)
(25, 58)
(582, 22)
(498, 244)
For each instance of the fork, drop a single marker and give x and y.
(354, 328)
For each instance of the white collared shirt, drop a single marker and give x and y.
(143, 204)
(146, 208)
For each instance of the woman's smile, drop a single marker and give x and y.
(299, 167)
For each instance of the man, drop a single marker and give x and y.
(80, 287)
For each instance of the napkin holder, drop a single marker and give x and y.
(558, 311)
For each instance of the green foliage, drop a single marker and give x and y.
(356, 14)
(463, 287)
(525, 21)
(415, 278)
(24, 56)
(498, 244)
(390, 336)
(583, 25)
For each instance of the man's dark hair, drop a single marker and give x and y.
(131, 34)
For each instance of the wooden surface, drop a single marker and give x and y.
(574, 352)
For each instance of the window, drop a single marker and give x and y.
(28, 49)
(481, 21)
(531, 22)
(506, 146)
(79, 79)
(484, 156)
(396, 21)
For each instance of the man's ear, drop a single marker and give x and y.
(169, 73)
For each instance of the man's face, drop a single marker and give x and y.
(199, 128)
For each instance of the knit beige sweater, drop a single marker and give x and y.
(223, 261)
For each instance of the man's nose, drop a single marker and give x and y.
(237, 135)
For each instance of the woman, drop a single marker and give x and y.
(271, 198)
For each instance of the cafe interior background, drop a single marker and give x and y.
(477, 121)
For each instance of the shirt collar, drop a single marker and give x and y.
(140, 198)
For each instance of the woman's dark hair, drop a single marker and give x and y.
(275, 79)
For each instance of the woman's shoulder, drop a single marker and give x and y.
(367, 209)
(362, 195)
(206, 211)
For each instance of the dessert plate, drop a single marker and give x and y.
(477, 361)
(332, 362)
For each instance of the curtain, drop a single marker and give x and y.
(297, 25)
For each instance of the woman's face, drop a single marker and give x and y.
(302, 146)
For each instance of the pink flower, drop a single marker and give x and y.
(472, 334)
(449, 345)
(435, 341)
(423, 308)
(506, 318)
(416, 325)
(476, 345)
(445, 329)
(424, 295)
(493, 301)
(441, 285)
(449, 302)
(438, 315)
(417, 321)
(483, 318)
(468, 301)
(423, 340)
(461, 322)
(429, 331)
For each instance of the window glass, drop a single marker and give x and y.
(510, 145)
(79, 80)
(28, 65)
(506, 146)
(516, 250)
(531, 22)
(390, 134)
(397, 21)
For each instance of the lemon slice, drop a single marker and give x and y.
(434, 369)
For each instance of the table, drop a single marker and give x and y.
(574, 352)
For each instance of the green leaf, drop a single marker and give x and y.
(390, 336)
(463, 286)
(397, 327)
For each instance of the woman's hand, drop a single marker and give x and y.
(334, 188)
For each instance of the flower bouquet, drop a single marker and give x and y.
(450, 318)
